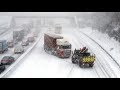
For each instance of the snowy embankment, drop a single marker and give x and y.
(109, 44)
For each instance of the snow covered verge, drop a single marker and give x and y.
(109, 44)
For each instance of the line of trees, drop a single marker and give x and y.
(105, 22)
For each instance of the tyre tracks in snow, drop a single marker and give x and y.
(105, 67)
(103, 49)
(76, 44)
(96, 62)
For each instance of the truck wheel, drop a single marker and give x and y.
(81, 65)
(91, 65)
(73, 60)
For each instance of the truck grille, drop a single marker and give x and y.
(67, 53)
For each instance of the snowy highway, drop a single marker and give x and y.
(36, 63)
(39, 64)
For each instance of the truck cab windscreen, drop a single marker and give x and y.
(65, 47)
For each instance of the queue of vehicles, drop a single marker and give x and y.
(18, 36)
(18, 49)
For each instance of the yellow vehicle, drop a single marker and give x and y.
(83, 59)
(88, 59)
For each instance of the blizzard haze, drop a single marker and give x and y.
(49, 14)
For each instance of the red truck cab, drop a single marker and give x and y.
(56, 45)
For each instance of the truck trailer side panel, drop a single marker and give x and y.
(3, 46)
(50, 43)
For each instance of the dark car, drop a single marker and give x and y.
(7, 60)
(2, 68)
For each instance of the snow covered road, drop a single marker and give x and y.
(108, 64)
(39, 64)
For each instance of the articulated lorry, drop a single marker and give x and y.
(18, 35)
(57, 45)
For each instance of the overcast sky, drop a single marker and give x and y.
(52, 14)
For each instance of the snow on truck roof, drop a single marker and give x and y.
(62, 42)
(54, 36)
